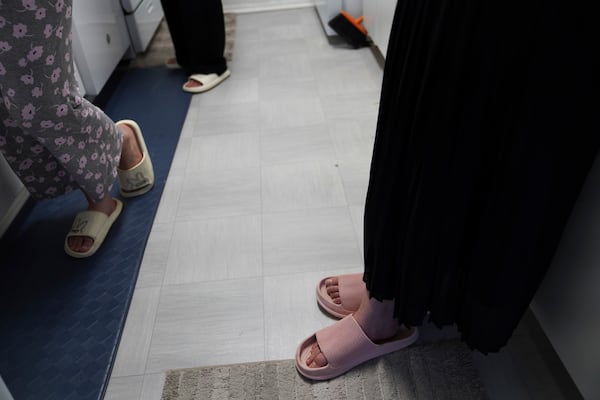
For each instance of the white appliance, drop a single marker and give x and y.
(143, 18)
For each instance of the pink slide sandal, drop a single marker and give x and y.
(351, 287)
(345, 346)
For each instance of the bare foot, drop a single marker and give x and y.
(82, 244)
(192, 83)
(131, 152)
(333, 290)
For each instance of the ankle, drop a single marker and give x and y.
(376, 318)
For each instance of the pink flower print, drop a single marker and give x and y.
(79, 171)
(27, 79)
(4, 46)
(37, 92)
(22, 62)
(99, 188)
(19, 139)
(59, 31)
(37, 149)
(40, 13)
(10, 92)
(55, 75)
(25, 164)
(48, 31)
(51, 166)
(35, 53)
(51, 191)
(61, 173)
(88, 129)
(103, 158)
(82, 162)
(2, 69)
(50, 59)
(7, 102)
(69, 12)
(29, 179)
(94, 156)
(99, 131)
(28, 112)
(62, 110)
(70, 141)
(2, 21)
(19, 30)
(88, 176)
(58, 126)
(65, 158)
(60, 4)
(10, 123)
(26, 125)
(67, 56)
(29, 4)
(97, 175)
(59, 141)
(46, 124)
(81, 145)
(84, 112)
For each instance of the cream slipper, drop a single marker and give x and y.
(208, 81)
(138, 179)
(92, 224)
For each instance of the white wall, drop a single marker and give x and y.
(240, 6)
(567, 304)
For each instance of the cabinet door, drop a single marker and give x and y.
(99, 40)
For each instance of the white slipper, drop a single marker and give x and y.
(138, 179)
(208, 81)
(92, 224)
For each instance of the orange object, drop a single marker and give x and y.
(356, 22)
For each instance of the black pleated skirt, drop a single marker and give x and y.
(485, 136)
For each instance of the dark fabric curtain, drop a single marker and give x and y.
(484, 139)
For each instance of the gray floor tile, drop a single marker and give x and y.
(135, 341)
(309, 240)
(215, 249)
(220, 194)
(209, 323)
(301, 185)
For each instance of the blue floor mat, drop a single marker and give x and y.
(61, 318)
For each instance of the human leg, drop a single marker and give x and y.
(54, 139)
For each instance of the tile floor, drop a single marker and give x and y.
(264, 197)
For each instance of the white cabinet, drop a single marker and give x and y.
(379, 15)
(100, 40)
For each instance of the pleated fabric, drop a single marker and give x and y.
(484, 138)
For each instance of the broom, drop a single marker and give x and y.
(350, 29)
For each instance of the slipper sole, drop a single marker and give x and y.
(105, 221)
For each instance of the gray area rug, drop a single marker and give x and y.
(441, 370)
(161, 46)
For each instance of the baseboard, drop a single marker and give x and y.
(266, 7)
(13, 210)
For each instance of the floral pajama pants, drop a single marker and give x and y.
(53, 139)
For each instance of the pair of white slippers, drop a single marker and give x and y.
(207, 81)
